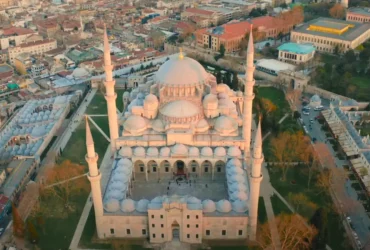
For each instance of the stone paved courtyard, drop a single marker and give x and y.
(203, 188)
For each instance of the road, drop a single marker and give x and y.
(344, 192)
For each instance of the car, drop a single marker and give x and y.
(348, 219)
(306, 107)
(311, 120)
(306, 113)
(301, 120)
(355, 235)
(305, 129)
(359, 244)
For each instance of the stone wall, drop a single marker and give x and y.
(323, 93)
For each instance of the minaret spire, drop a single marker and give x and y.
(110, 94)
(255, 183)
(94, 177)
(248, 95)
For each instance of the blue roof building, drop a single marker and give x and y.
(296, 52)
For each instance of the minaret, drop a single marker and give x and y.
(255, 183)
(248, 96)
(110, 95)
(94, 177)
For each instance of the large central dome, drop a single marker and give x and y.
(181, 71)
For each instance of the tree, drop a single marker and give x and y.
(235, 81)
(219, 77)
(33, 236)
(227, 78)
(336, 50)
(222, 50)
(289, 147)
(141, 67)
(296, 115)
(18, 223)
(300, 200)
(132, 70)
(350, 56)
(59, 183)
(293, 233)
(337, 11)
(320, 221)
(268, 106)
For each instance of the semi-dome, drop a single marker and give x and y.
(128, 206)
(111, 205)
(179, 149)
(180, 109)
(139, 151)
(165, 152)
(223, 206)
(158, 125)
(181, 71)
(239, 206)
(239, 195)
(234, 162)
(194, 151)
(207, 151)
(234, 151)
(142, 205)
(208, 206)
(225, 124)
(152, 151)
(125, 152)
(125, 162)
(135, 124)
(220, 152)
(115, 194)
(210, 101)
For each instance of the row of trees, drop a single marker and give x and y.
(230, 79)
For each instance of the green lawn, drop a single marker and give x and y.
(299, 175)
(363, 87)
(278, 206)
(276, 96)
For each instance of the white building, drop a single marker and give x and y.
(296, 53)
(181, 126)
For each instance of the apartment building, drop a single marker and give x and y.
(34, 48)
(13, 36)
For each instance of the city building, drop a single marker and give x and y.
(270, 68)
(231, 35)
(13, 36)
(212, 17)
(296, 53)
(180, 126)
(7, 3)
(6, 72)
(5, 205)
(358, 14)
(34, 48)
(48, 27)
(23, 63)
(327, 34)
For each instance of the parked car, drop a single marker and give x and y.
(311, 120)
(307, 108)
(306, 113)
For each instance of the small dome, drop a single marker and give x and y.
(135, 124)
(220, 152)
(239, 206)
(127, 206)
(193, 200)
(235, 187)
(206, 151)
(235, 171)
(179, 149)
(140, 96)
(125, 162)
(236, 179)
(194, 151)
(139, 151)
(126, 94)
(210, 101)
(80, 73)
(158, 199)
(165, 152)
(223, 96)
(223, 206)
(142, 206)
(208, 206)
(158, 125)
(225, 124)
(125, 152)
(202, 125)
(180, 109)
(239, 195)
(111, 206)
(234, 151)
(315, 98)
(222, 88)
(151, 98)
(234, 162)
(152, 152)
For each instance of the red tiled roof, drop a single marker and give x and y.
(158, 19)
(65, 73)
(35, 43)
(17, 31)
(199, 11)
(268, 22)
(47, 23)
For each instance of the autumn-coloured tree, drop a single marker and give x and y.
(288, 148)
(33, 236)
(300, 200)
(337, 11)
(294, 233)
(18, 223)
(59, 182)
(268, 106)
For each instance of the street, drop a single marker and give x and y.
(345, 194)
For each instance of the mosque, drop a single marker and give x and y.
(183, 166)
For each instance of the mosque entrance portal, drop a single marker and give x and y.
(180, 167)
(175, 230)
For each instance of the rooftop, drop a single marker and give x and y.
(358, 10)
(275, 65)
(5, 68)
(297, 48)
(334, 28)
(20, 169)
